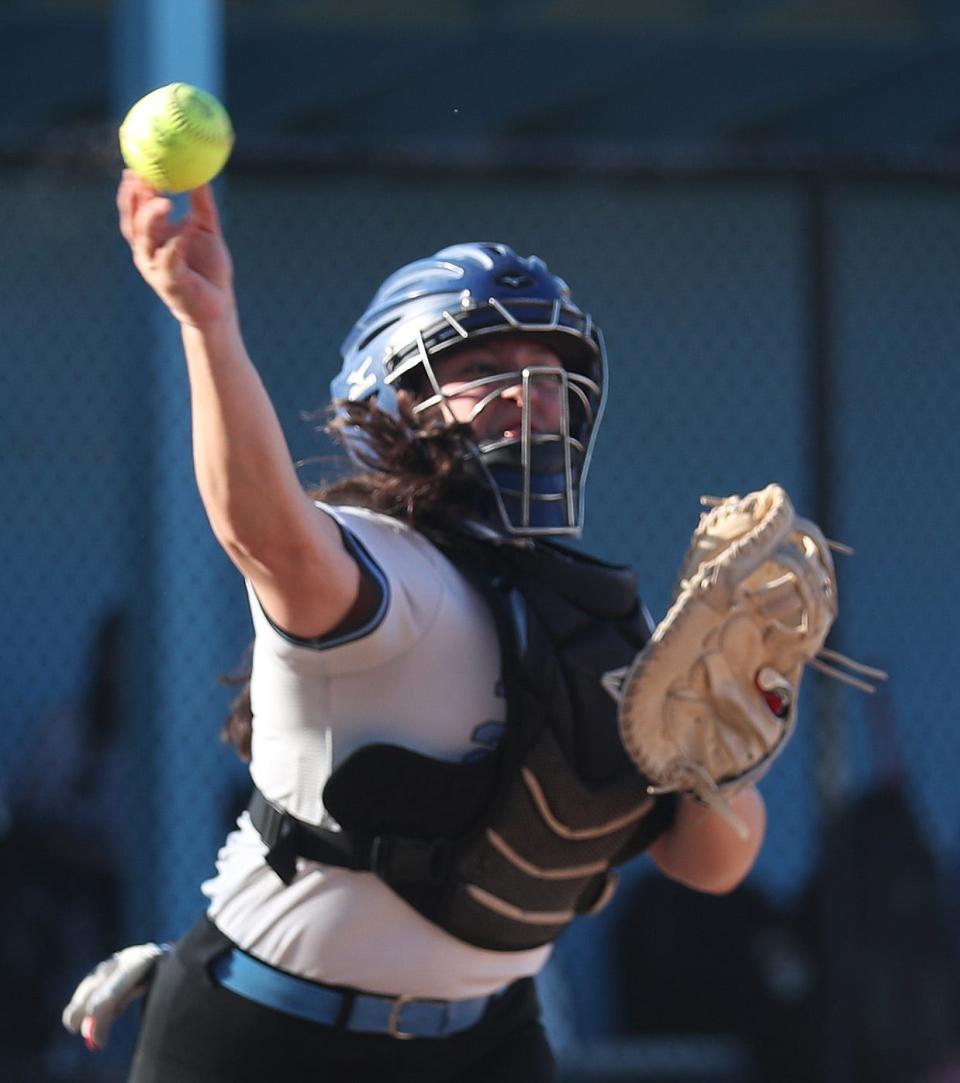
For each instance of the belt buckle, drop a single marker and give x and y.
(399, 1003)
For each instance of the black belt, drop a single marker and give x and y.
(395, 858)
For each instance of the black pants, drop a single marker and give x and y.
(193, 1031)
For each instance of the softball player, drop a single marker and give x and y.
(439, 784)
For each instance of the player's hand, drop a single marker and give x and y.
(186, 262)
(107, 990)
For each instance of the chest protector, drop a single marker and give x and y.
(504, 850)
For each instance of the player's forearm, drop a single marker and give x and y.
(703, 851)
(244, 471)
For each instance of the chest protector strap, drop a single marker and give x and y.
(504, 851)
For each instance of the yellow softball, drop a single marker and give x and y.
(177, 137)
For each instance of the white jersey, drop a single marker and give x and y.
(423, 673)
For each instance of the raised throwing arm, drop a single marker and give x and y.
(291, 551)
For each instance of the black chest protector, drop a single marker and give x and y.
(504, 850)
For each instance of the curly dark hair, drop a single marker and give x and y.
(410, 467)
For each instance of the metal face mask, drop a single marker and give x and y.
(529, 482)
(532, 473)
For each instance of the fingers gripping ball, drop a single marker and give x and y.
(176, 137)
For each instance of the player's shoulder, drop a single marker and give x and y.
(354, 516)
(367, 522)
(390, 542)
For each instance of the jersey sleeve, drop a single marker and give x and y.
(411, 579)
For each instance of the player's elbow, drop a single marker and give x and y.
(722, 883)
(703, 851)
(706, 877)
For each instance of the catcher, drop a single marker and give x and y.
(445, 770)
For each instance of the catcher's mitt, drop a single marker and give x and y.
(712, 699)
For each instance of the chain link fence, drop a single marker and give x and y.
(760, 327)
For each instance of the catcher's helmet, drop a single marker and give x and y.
(456, 296)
